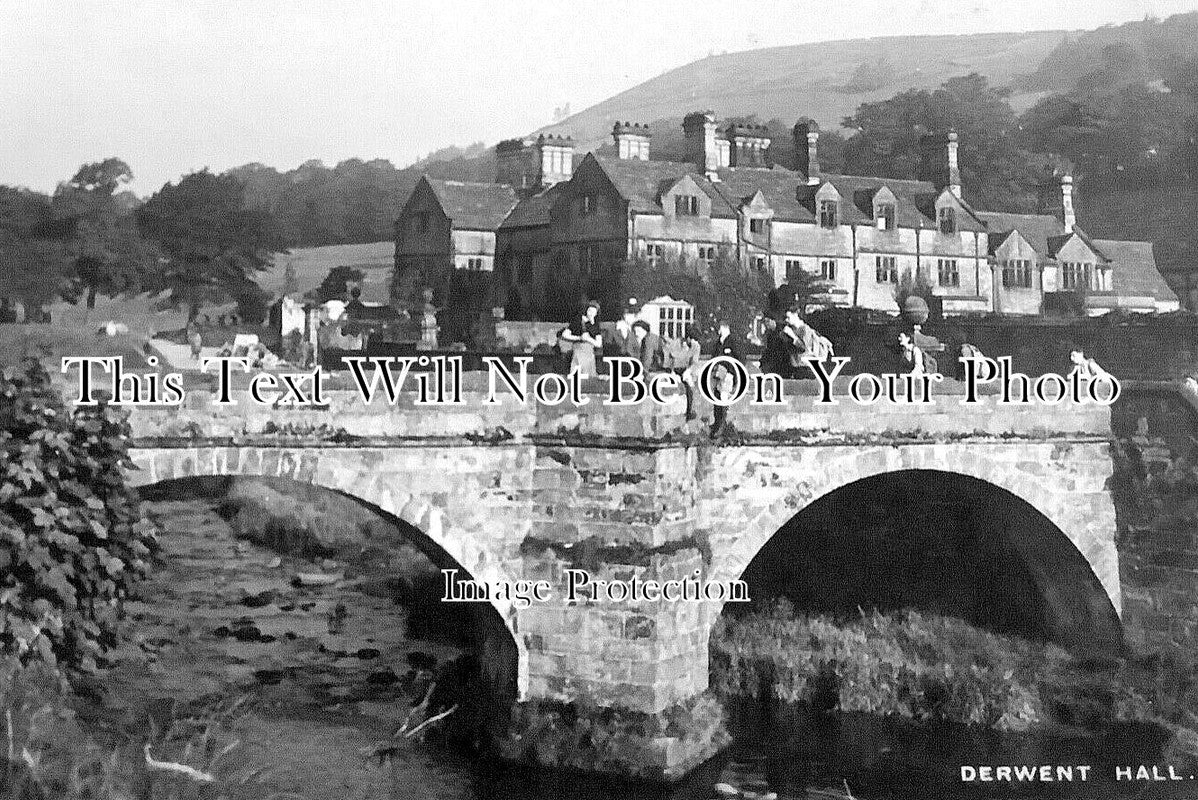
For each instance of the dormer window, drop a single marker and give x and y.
(686, 205)
(757, 226)
(885, 216)
(827, 213)
(589, 205)
(947, 219)
(1077, 276)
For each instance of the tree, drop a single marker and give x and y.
(996, 173)
(912, 285)
(107, 252)
(34, 260)
(73, 539)
(211, 242)
(1113, 125)
(725, 291)
(800, 288)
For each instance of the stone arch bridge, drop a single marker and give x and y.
(522, 492)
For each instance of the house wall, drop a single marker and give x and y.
(608, 222)
(1076, 250)
(900, 244)
(474, 244)
(681, 235)
(422, 255)
(522, 267)
(969, 249)
(1016, 300)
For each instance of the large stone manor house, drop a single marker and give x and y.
(554, 230)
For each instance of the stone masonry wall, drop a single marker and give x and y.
(512, 492)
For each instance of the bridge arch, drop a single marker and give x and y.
(1069, 513)
(448, 533)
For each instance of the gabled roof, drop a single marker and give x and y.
(996, 240)
(1134, 271)
(778, 187)
(642, 182)
(1091, 243)
(1037, 229)
(473, 206)
(1055, 243)
(533, 211)
(913, 199)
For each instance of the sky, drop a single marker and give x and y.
(172, 86)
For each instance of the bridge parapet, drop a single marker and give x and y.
(346, 417)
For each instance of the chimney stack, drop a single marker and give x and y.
(938, 163)
(806, 139)
(632, 140)
(699, 129)
(514, 163)
(1067, 202)
(748, 145)
(954, 170)
(556, 157)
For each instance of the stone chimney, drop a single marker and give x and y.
(632, 140)
(516, 163)
(555, 156)
(748, 145)
(954, 169)
(806, 139)
(939, 162)
(1067, 202)
(702, 150)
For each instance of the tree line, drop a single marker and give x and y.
(191, 243)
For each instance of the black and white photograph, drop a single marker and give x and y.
(598, 400)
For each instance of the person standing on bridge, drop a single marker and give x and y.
(1086, 367)
(803, 341)
(728, 347)
(585, 337)
(682, 358)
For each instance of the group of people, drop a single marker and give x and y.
(632, 336)
(790, 343)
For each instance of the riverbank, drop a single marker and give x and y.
(298, 685)
(885, 701)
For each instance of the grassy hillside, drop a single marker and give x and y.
(375, 259)
(824, 80)
(312, 264)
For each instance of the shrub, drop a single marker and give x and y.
(73, 539)
(50, 752)
(922, 668)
